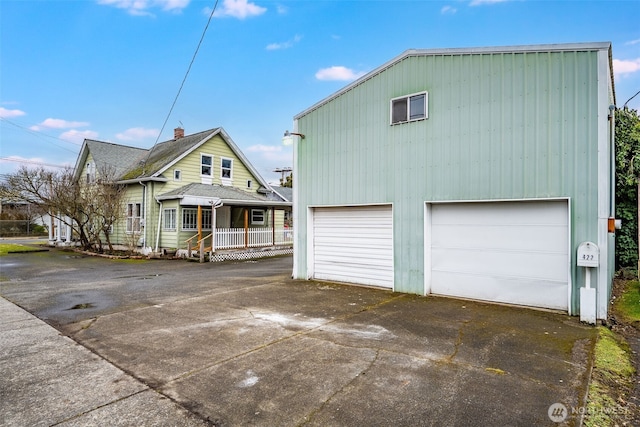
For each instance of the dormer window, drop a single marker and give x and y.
(410, 108)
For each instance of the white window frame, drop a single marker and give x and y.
(257, 216)
(91, 173)
(193, 219)
(177, 174)
(202, 165)
(134, 218)
(407, 99)
(170, 215)
(226, 180)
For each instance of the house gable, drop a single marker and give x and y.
(190, 167)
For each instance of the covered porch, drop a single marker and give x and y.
(206, 219)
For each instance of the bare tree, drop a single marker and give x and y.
(90, 208)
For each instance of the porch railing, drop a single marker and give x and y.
(235, 238)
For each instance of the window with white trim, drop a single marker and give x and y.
(206, 163)
(226, 169)
(410, 108)
(134, 215)
(91, 173)
(190, 219)
(257, 217)
(169, 219)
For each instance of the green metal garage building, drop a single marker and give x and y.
(473, 173)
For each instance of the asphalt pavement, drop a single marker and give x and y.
(92, 341)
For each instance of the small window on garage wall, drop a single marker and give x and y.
(410, 108)
(257, 217)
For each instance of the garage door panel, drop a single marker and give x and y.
(510, 213)
(526, 291)
(515, 252)
(354, 245)
(538, 237)
(512, 264)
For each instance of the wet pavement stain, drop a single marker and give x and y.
(82, 306)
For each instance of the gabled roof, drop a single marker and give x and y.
(167, 153)
(114, 159)
(131, 164)
(285, 192)
(211, 193)
(558, 47)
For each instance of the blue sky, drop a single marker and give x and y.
(110, 69)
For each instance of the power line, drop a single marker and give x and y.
(175, 100)
(41, 135)
(9, 159)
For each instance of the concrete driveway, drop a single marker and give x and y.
(240, 343)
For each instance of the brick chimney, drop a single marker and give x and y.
(178, 133)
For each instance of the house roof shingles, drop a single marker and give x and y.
(225, 193)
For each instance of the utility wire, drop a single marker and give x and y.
(33, 162)
(175, 100)
(42, 135)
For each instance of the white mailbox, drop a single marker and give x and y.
(588, 255)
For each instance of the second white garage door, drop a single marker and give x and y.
(511, 252)
(353, 244)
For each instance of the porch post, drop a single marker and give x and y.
(51, 226)
(273, 226)
(59, 230)
(246, 227)
(213, 229)
(68, 230)
(199, 222)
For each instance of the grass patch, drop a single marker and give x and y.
(8, 248)
(612, 379)
(628, 303)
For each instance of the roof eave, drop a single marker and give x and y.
(142, 179)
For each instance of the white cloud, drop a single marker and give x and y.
(134, 134)
(338, 72)
(282, 9)
(77, 136)
(448, 10)
(240, 9)
(8, 114)
(285, 45)
(632, 42)
(58, 124)
(140, 7)
(621, 66)
(481, 2)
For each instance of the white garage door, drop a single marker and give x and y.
(353, 245)
(512, 252)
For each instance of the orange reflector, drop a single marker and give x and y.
(612, 225)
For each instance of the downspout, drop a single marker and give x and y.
(214, 207)
(144, 212)
(612, 170)
(159, 223)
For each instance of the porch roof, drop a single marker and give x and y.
(206, 195)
